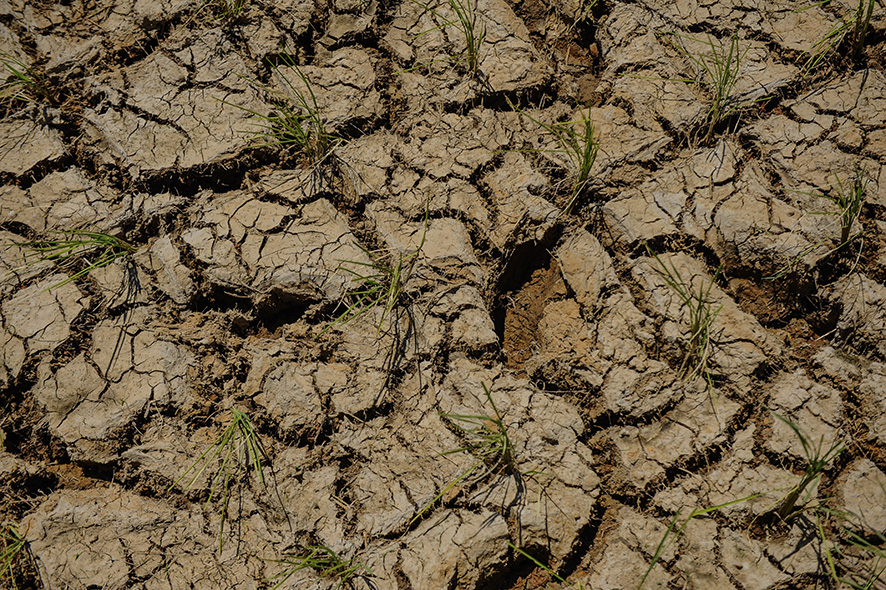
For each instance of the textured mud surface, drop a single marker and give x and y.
(114, 385)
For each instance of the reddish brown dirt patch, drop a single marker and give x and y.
(524, 311)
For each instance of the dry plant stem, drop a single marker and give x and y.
(322, 560)
(97, 249)
(238, 448)
(580, 147)
(490, 444)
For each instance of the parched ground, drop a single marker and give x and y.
(115, 386)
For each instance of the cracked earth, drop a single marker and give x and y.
(114, 385)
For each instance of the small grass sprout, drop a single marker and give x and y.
(20, 83)
(817, 459)
(849, 197)
(322, 560)
(579, 143)
(94, 249)
(469, 23)
(721, 70)
(239, 449)
(854, 27)
(702, 313)
(296, 119)
(673, 532)
(12, 545)
(859, 576)
(547, 570)
(488, 442)
(380, 282)
(849, 200)
(224, 9)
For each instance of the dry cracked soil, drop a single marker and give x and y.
(628, 394)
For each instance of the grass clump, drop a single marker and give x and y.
(579, 143)
(224, 10)
(12, 546)
(701, 314)
(239, 450)
(849, 200)
(817, 459)
(380, 282)
(22, 84)
(851, 31)
(322, 560)
(843, 564)
(296, 119)
(488, 442)
(91, 248)
(469, 23)
(849, 197)
(720, 69)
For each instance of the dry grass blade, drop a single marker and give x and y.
(239, 449)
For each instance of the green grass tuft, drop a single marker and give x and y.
(720, 66)
(12, 545)
(380, 283)
(21, 84)
(239, 450)
(849, 199)
(94, 249)
(296, 119)
(701, 315)
(469, 23)
(852, 29)
(488, 442)
(817, 459)
(322, 560)
(580, 146)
